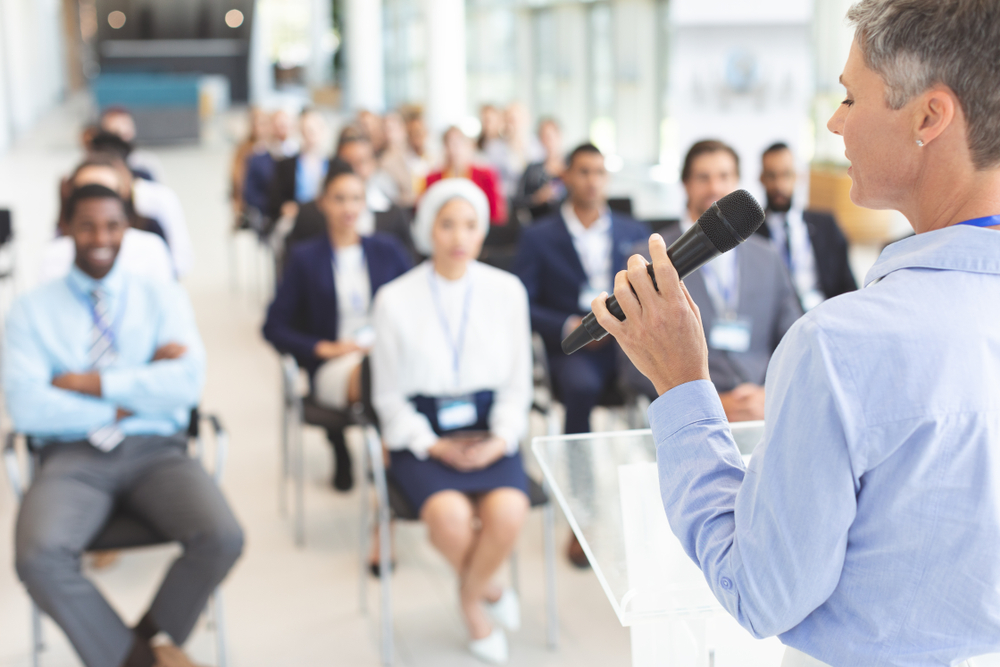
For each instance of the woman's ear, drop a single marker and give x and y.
(934, 114)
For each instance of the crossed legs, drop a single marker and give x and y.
(476, 552)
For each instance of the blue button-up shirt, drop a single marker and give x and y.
(48, 333)
(865, 529)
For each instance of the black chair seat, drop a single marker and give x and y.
(125, 532)
(403, 510)
(315, 414)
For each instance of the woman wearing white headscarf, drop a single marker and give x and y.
(452, 387)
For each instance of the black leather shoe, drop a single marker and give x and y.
(343, 476)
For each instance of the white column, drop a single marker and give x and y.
(446, 75)
(363, 44)
(319, 67)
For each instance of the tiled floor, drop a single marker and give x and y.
(285, 606)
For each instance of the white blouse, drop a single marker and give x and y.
(354, 295)
(413, 355)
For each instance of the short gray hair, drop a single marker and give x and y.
(916, 44)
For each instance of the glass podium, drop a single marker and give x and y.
(607, 485)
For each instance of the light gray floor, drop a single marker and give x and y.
(286, 606)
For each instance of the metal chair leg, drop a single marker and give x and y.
(37, 640)
(515, 574)
(365, 526)
(549, 537)
(300, 478)
(385, 545)
(221, 655)
(283, 468)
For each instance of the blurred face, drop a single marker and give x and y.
(778, 177)
(456, 237)
(395, 130)
(312, 127)
(260, 126)
(361, 157)
(342, 203)
(281, 125)
(491, 120)
(586, 180)
(515, 119)
(551, 138)
(873, 136)
(373, 126)
(120, 124)
(713, 176)
(457, 148)
(416, 133)
(97, 228)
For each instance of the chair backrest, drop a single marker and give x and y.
(6, 226)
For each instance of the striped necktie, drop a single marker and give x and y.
(102, 353)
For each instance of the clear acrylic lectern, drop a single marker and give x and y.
(607, 485)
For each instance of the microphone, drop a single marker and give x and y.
(726, 224)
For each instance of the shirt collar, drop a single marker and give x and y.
(955, 248)
(576, 228)
(112, 284)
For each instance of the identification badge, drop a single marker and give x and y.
(730, 335)
(365, 336)
(587, 295)
(455, 413)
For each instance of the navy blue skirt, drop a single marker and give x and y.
(420, 479)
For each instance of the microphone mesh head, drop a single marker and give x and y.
(742, 212)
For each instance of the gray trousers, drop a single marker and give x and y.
(76, 490)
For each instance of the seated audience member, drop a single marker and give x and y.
(102, 369)
(541, 189)
(320, 312)
(396, 177)
(490, 130)
(746, 298)
(256, 142)
(517, 149)
(565, 261)
(373, 127)
(458, 163)
(379, 214)
(118, 121)
(156, 202)
(260, 166)
(142, 252)
(451, 372)
(419, 156)
(810, 242)
(299, 178)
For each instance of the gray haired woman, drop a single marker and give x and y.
(866, 527)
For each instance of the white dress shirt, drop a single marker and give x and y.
(801, 259)
(593, 247)
(157, 201)
(414, 356)
(354, 294)
(141, 253)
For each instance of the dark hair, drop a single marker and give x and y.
(337, 169)
(92, 191)
(583, 149)
(106, 142)
(352, 134)
(99, 159)
(774, 148)
(703, 148)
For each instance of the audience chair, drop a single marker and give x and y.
(392, 504)
(261, 262)
(621, 205)
(122, 531)
(298, 410)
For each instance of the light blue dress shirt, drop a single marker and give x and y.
(48, 334)
(866, 528)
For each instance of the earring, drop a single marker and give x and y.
(920, 142)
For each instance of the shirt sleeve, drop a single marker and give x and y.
(34, 405)
(402, 426)
(770, 539)
(164, 386)
(509, 416)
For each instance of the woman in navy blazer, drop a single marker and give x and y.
(321, 311)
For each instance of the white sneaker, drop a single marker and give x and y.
(492, 648)
(507, 610)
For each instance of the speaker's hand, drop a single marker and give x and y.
(662, 333)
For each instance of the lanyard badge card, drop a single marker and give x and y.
(456, 413)
(730, 334)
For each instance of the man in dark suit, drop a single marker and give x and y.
(810, 242)
(299, 178)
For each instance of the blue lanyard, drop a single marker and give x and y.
(988, 221)
(116, 325)
(726, 296)
(456, 345)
